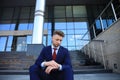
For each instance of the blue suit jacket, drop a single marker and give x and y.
(62, 58)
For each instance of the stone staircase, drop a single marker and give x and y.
(19, 62)
(15, 61)
(82, 64)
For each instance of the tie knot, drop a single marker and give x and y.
(55, 48)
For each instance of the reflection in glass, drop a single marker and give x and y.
(9, 43)
(80, 25)
(70, 31)
(29, 39)
(2, 43)
(60, 25)
(70, 25)
(44, 40)
(71, 40)
(79, 11)
(81, 31)
(108, 17)
(30, 26)
(68, 11)
(21, 44)
(59, 11)
(22, 26)
(4, 26)
(72, 20)
(49, 39)
(71, 48)
(64, 41)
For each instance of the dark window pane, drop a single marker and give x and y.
(7, 13)
(25, 12)
(59, 11)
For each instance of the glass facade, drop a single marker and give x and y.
(80, 23)
(15, 19)
(107, 17)
(72, 20)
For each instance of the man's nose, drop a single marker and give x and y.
(59, 42)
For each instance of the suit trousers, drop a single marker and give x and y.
(38, 73)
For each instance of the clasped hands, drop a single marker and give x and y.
(51, 65)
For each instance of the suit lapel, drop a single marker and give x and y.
(59, 54)
(49, 53)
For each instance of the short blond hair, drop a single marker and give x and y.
(60, 33)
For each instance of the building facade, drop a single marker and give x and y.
(24, 22)
(29, 22)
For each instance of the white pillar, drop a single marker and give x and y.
(38, 22)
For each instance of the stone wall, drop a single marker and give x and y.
(106, 47)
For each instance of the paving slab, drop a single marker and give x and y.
(101, 76)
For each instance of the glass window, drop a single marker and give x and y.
(30, 26)
(70, 25)
(71, 40)
(116, 4)
(45, 25)
(23, 25)
(29, 39)
(2, 43)
(49, 39)
(60, 24)
(105, 25)
(16, 13)
(68, 11)
(5, 25)
(9, 43)
(59, 11)
(21, 44)
(71, 48)
(49, 25)
(66, 19)
(98, 24)
(32, 12)
(79, 11)
(44, 40)
(81, 31)
(80, 25)
(64, 42)
(70, 31)
(7, 13)
(49, 31)
(25, 13)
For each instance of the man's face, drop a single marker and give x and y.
(56, 39)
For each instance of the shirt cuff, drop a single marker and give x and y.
(42, 64)
(60, 67)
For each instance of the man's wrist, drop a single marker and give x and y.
(60, 67)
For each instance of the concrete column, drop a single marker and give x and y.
(38, 22)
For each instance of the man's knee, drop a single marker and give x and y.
(68, 73)
(33, 68)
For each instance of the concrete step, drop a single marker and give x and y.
(80, 71)
(15, 61)
(89, 67)
(91, 71)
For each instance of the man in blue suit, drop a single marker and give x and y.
(53, 63)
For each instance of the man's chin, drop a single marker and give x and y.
(56, 45)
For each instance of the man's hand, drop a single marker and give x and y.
(51, 63)
(49, 69)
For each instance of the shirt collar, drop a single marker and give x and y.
(55, 47)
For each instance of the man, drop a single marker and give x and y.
(54, 62)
